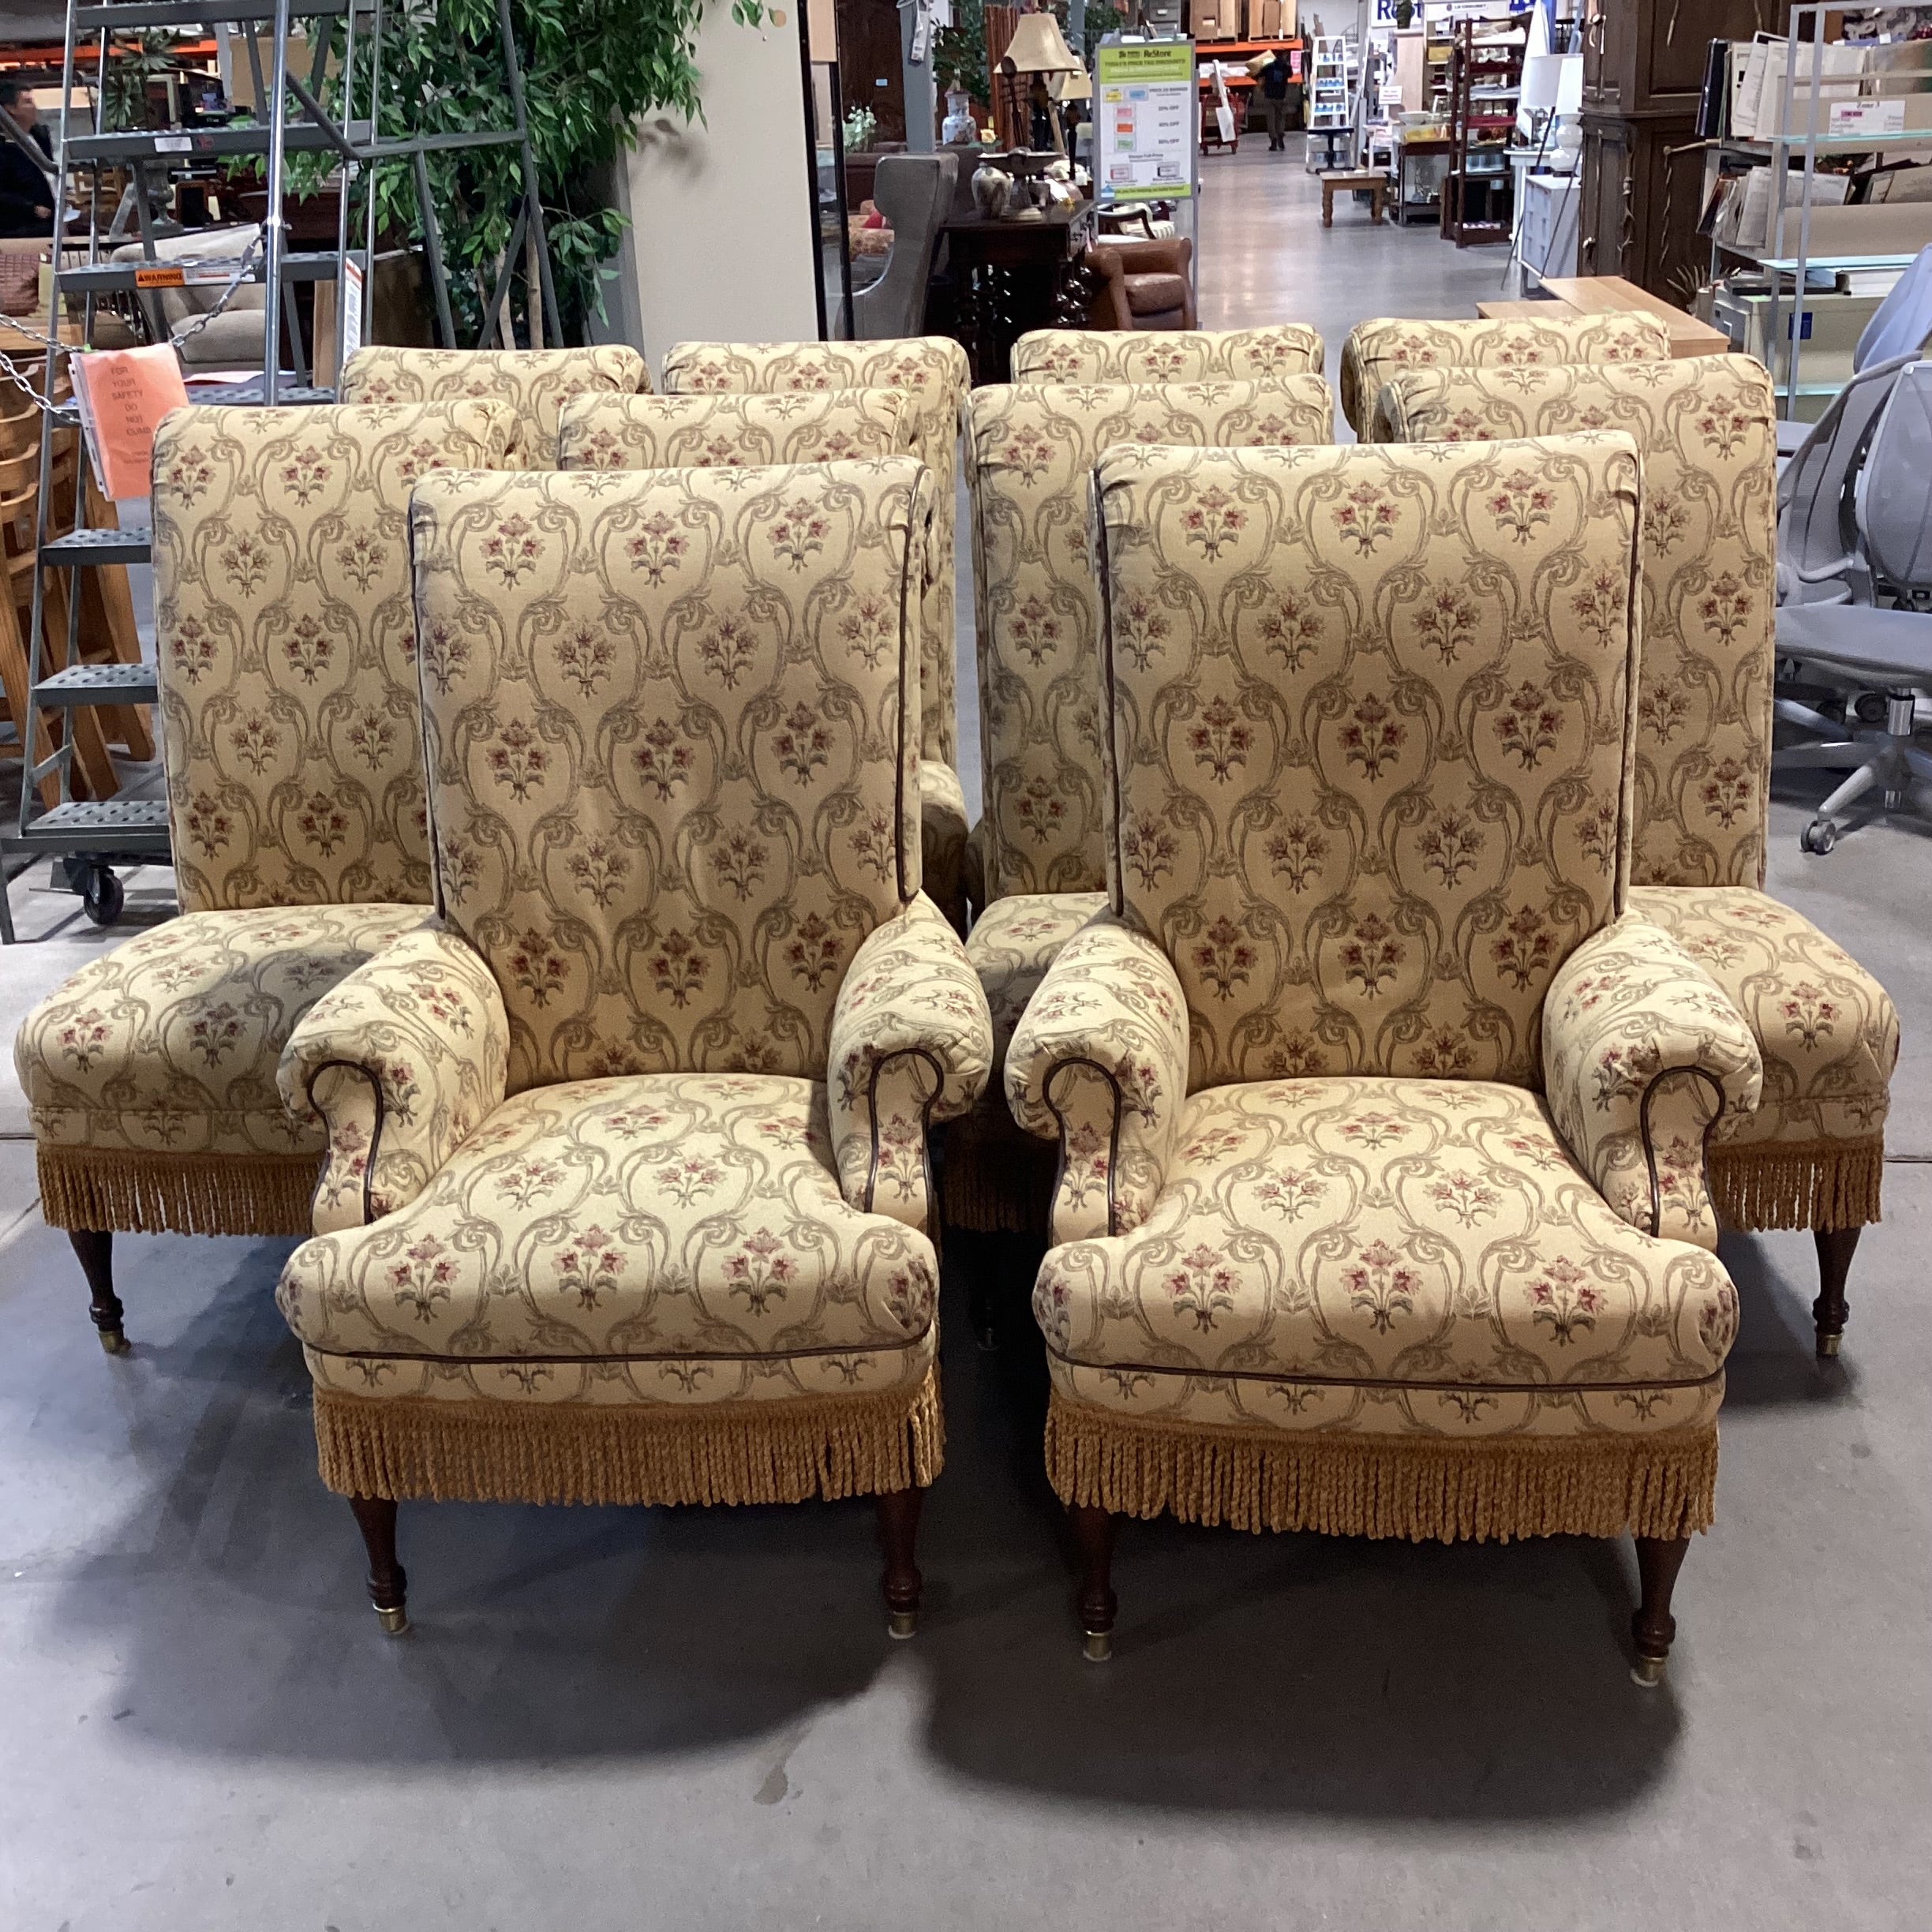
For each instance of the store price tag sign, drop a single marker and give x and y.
(1868, 117)
(1149, 110)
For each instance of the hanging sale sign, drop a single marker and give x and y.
(1145, 130)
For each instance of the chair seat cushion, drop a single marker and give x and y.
(658, 1238)
(169, 1043)
(1012, 944)
(1386, 1257)
(1154, 294)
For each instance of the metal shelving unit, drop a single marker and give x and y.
(1787, 250)
(94, 834)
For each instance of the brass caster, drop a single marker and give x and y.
(904, 1623)
(1828, 1346)
(393, 1618)
(1097, 1646)
(113, 1341)
(1647, 1672)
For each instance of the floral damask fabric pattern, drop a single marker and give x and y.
(1167, 355)
(670, 723)
(536, 383)
(930, 372)
(1371, 736)
(1013, 943)
(911, 1045)
(1376, 351)
(1031, 452)
(676, 1238)
(1099, 1062)
(285, 645)
(1644, 1058)
(168, 1043)
(1705, 432)
(1387, 1257)
(1828, 1032)
(698, 431)
(398, 1063)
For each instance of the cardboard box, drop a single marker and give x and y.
(1216, 20)
(1271, 20)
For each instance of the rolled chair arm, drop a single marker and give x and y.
(1162, 255)
(911, 1044)
(1099, 1061)
(397, 1064)
(1643, 1055)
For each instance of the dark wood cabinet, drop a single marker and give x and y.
(1643, 166)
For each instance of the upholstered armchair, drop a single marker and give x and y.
(1812, 1154)
(1168, 356)
(536, 383)
(1141, 284)
(289, 733)
(1036, 860)
(702, 432)
(1381, 1208)
(930, 372)
(628, 1190)
(1376, 350)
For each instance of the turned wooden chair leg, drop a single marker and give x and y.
(1093, 1532)
(94, 1251)
(1836, 1247)
(898, 1520)
(1659, 1558)
(375, 1517)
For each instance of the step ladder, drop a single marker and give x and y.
(92, 835)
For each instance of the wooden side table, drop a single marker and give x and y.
(1370, 181)
(1014, 275)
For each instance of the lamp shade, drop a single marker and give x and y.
(1570, 88)
(1073, 87)
(1039, 47)
(1540, 75)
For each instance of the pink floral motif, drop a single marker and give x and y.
(215, 1033)
(1139, 629)
(372, 738)
(527, 1180)
(1725, 606)
(678, 968)
(1380, 1286)
(815, 952)
(245, 563)
(1717, 1322)
(1443, 1054)
(1213, 520)
(1148, 851)
(209, 826)
(1292, 630)
(662, 761)
(308, 651)
(1723, 425)
(1289, 1192)
(1035, 632)
(875, 844)
(798, 533)
(82, 1038)
(1447, 620)
(599, 869)
(1220, 741)
(740, 862)
(1563, 1296)
(1810, 1014)
(191, 650)
(1372, 737)
(256, 741)
(459, 864)
(1529, 724)
(510, 551)
(1521, 504)
(1450, 846)
(1028, 453)
(1223, 958)
(304, 476)
(1294, 1056)
(1365, 516)
(362, 558)
(422, 1278)
(584, 655)
(517, 760)
(1663, 713)
(803, 743)
(1370, 954)
(588, 1266)
(1597, 833)
(760, 1272)
(443, 655)
(1666, 519)
(1038, 810)
(1295, 852)
(688, 1176)
(1203, 1287)
(1525, 949)
(1728, 791)
(869, 628)
(1598, 605)
(1372, 1131)
(1468, 1200)
(537, 966)
(658, 548)
(322, 822)
(729, 651)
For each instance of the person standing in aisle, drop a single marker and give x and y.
(26, 191)
(1274, 86)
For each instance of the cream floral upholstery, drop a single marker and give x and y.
(1167, 355)
(1813, 1154)
(1030, 454)
(1354, 1081)
(670, 1063)
(1706, 431)
(293, 745)
(536, 383)
(1375, 351)
(702, 432)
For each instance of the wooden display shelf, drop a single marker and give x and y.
(1575, 295)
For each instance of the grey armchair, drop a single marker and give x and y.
(914, 194)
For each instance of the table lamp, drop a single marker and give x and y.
(1038, 48)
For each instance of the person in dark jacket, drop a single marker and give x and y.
(26, 190)
(1274, 85)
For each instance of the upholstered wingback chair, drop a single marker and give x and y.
(1382, 1207)
(1036, 860)
(294, 754)
(1376, 350)
(1141, 284)
(536, 383)
(1813, 1153)
(628, 1191)
(1167, 356)
(930, 372)
(700, 432)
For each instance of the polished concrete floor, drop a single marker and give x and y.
(609, 1720)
